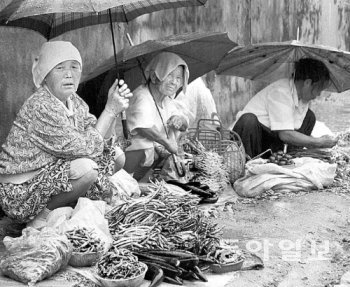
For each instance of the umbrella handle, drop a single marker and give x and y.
(179, 166)
(125, 125)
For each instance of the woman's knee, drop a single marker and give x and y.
(133, 160)
(83, 167)
(246, 121)
(82, 184)
(119, 159)
(310, 115)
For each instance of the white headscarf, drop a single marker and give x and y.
(163, 64)
(50, 55)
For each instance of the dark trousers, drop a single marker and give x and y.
(257, 138)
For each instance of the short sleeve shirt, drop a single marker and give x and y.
(143, 113)
(277, 106)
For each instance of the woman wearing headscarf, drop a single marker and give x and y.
(51, 154)
(153, 119)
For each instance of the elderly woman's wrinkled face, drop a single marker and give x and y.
(172, 82)
(63, 79)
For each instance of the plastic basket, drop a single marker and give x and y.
(224, 142)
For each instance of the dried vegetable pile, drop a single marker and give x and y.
(84, 241)
(341, 155)
(165, 219)
(119, 264)
(209, 167)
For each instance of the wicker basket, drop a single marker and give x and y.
(224, 142)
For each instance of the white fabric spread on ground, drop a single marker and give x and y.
(307, 174)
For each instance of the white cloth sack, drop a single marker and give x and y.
(308, 174)
(87, 213)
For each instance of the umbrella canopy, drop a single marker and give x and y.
(201, 51)
(52, 18)
(272, 61)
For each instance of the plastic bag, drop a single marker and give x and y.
(124, 185)
(87, 213)
(35, 255)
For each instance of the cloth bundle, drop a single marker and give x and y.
(307, 174)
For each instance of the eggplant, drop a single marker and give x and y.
(189, 263)
(157, 258)
(169, 270)
(173, 280)
(200, 274)
(155, 274)
(177, 254)
(189, 275)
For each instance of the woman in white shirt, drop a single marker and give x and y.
(154, 121)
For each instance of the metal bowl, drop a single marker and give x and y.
(223, 268)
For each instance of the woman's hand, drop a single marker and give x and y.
(328, 141)
(171, 146)
(107, 195)
(178, 123)
(118, 97)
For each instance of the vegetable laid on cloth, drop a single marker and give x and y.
(281, 158)
(307, 174)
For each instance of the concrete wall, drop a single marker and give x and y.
(246, 21)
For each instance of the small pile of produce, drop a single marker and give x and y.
(84, 241)
(211, 170)
(320, 154)
(119, 264)
(281, 158)
(341, 151)
(343, 139)
(341, 155)
(208, 166)
(227, 255)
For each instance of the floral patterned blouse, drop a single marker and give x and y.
(45, 130)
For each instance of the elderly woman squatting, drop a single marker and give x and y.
(49, 157)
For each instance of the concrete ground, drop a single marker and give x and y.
(303, 240)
